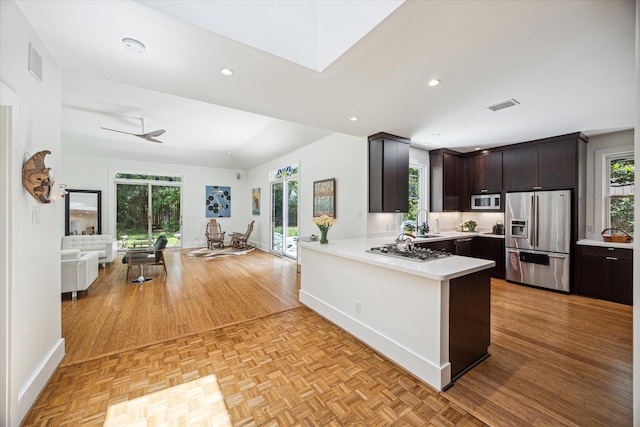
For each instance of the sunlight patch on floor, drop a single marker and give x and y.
(198, 402)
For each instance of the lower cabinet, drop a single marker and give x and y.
(604, 273)
(443, 245)
(490, 248)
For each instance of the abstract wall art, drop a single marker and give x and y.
(255, 201)
(218, 201)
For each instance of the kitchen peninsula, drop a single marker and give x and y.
(432, 318)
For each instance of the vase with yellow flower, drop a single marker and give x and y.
(324, 223)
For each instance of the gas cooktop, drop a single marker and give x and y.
(416, 254)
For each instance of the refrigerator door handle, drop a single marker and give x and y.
(532, 222)
(562, 256)
(537, 221)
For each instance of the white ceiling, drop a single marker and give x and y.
(570, 64)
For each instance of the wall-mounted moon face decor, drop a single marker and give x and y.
(35, 177)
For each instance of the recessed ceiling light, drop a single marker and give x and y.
(354, 119)
(226, 71)
(435, 135)
(229, 152)
(133, 45)
(434, 82)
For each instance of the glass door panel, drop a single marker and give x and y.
(276, 217)
(291, 233)
(165, 214)
(132, 213)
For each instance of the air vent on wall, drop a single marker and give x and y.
(502, 105)
(35, 63)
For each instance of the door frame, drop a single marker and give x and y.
(8, 134)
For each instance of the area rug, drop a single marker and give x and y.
(219, 253)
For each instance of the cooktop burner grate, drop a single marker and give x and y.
(416, 254)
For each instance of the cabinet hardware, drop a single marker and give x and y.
(611, 249)
(611, 258)
(537, 188)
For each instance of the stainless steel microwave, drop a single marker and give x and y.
(485, 202)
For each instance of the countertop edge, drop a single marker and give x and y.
(463, 265)
(602, 243)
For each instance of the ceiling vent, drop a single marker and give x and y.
(503, 105)
(35, 63)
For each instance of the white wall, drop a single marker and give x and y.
(96, 173)
(338, 156)
(34, 338)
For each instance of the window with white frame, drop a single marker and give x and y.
(416, 195)
(620, 192)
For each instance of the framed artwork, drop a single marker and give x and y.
(255, 201)
(324, 198)
(218, 201)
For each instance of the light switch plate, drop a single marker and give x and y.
(35, 215)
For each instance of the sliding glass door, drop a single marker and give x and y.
(146, 210)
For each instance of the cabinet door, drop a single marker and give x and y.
(519, 167)
(492, 249)
(622, 276)
(449, 183)
(388, 176)
(442, 245)
(557, 162)
(485, 173)
(594, 278)
(493, 172)
(461, 185)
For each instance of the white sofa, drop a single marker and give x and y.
(103, 244)
(78, 270)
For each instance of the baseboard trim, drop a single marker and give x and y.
(28, 394)
(417, 365)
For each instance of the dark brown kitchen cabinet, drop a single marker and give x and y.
(490, 248)
(449, 181)
(547, 164)
(605, 273)
(485, 173)
(388, 173)
(442, 245)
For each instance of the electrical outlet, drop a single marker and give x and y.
(358, 306)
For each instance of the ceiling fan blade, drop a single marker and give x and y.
(119, 131)
(155, 133)
(148, 138)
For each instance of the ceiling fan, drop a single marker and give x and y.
(149, 136)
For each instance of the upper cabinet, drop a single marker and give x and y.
(547, 164)
(449, 182)
(388, 173)
(485, 172)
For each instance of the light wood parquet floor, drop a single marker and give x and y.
(269, 361)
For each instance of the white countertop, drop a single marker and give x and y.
(602, 243)
(440, 269)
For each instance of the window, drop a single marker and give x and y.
(620, 194)
(415, 199)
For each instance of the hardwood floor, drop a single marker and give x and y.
(225, 342)
(560, 360)
(196, 295)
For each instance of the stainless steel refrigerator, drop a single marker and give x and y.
(538, 238)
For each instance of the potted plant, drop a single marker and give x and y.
(409, 228)
(471, 225)
(423, 229)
